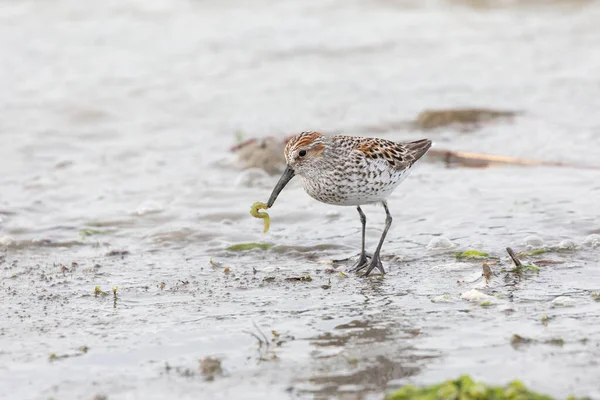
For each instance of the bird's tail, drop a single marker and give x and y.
(418, 148)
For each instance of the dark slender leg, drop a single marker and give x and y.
(362, 260)
(376, 260)
(363, 221)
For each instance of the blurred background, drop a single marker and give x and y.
(135, 135)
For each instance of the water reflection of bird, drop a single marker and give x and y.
(350, 171)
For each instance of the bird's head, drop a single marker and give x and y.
(303, 150)
(302, 153)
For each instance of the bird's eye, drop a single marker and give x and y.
(302, 153)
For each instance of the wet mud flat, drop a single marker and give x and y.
(278, 323)
(131, 268)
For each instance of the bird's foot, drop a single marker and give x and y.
(363, 262)
(345, 260)
(375, 263)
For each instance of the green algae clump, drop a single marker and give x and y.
(464, 388)
(248, 246)
(472, 254)
(255, 212)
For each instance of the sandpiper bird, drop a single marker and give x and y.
(350, 171)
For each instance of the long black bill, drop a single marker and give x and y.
(288, 174)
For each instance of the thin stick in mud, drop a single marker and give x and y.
(512, 255)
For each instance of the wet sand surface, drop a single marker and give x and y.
(117, 119)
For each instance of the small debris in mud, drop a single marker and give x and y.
(545, 320)
(63, 269)
(100, 397)
(328, 286)
(80, 351)
(485, 304)
(185, 372)
(116, 253)
(98, 292)
(305, 278)
(115, 298)
(486, 273)
(268, 279)
(596, 296)
(181, 285)
(181, 371)
(264, 343)
(556, 342)
(259, 338)
(471, 254)
(215, 264)
(210, 367)
(518, 340)
(89, 232)
(227, 270)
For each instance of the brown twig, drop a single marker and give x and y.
(485, 160)
(512, 255)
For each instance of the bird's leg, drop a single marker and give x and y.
(376, 260)
(362, 260)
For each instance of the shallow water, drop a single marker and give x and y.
(117, 117)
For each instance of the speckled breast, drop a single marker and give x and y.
(354, 186)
